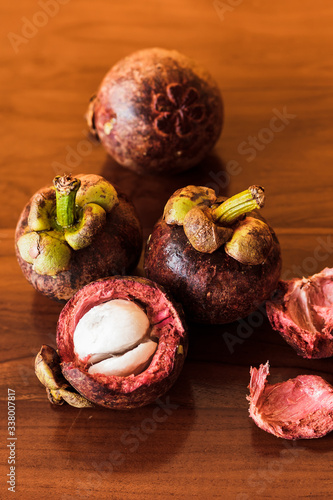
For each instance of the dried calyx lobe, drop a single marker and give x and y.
(216, 256)
(300, 408)
(302, 312)
(48, 371)
(166, 329)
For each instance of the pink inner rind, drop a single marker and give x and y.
(300, 408)
(302, 312)
(166, 325)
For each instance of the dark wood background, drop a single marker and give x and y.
(268, 58)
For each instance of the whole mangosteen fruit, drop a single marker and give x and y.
(74, 232)
(157, 111)
(216, 256)
(121, 344)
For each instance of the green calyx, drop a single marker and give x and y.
(66, 188)
(42, 210)
(235, 207)
(95, 189)
(209, 224)
(46, 251)
(183, 200)
(82, 234)
(64, 218)
(251, 242)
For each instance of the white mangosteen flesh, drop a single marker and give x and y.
(131, 362)
(302, 312)
(114, 338)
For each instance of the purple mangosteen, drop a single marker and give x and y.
(157, 111)
(76, 231)
(216, 256)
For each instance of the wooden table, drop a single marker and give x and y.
(270, 59)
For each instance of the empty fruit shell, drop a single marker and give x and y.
(300, 408)
(302, 312)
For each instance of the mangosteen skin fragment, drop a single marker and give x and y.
(300, 408)
(115, 250)
(212, 288)
(302, 312)
(167, 327)
(157, 111)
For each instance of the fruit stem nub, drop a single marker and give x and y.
(236, 206)
(66, 188)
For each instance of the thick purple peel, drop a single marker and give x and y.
(167, 329)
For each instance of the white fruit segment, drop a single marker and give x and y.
(132, 362)
(114, 338)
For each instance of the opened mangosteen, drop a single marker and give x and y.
(301, 310)
(121, 344)
(216, 256)
(74, 232)
(157, 111)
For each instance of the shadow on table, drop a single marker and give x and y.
(249, 342)
(150, 193)
(101, 441)
(45, 314)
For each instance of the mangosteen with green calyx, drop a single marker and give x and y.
(157, 112)
(221, 261)
(74, 232)
(121, 343)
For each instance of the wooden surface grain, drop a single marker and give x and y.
(269, 59)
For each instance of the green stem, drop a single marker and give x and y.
(236, 206)
(66, 188)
